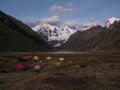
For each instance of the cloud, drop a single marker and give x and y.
(51, 20)
(72, 23)
(70, 4)
(54, 20)
(61, 9)
(75, 24)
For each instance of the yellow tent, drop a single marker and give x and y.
(48, 58)
(61, 59)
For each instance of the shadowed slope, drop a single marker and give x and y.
(16, 36)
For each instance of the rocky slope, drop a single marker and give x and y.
(53, 34)
(78, 41)
(96, 38)
(16, 36)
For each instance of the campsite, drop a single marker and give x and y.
(59, 45)
(90, 71)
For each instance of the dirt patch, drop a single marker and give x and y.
(68, 80)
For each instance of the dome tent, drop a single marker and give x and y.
(61, 59)
(35, 58)
(48, 58)
(20, 67)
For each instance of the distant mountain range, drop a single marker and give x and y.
(90, 37)
(53, 34)
(15, 36)
(57, 35)
(96, 38)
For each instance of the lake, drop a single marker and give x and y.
(67, 52)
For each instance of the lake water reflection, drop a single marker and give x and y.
(69, 52)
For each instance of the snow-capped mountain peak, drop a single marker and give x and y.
(89, 26)
(58, 35)
(54, 33)
(67, 29)
(44, 26)
(110, 21)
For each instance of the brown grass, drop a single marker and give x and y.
(102, 72)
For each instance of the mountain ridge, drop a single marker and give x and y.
(53, 33)
(84, 36)
(16, 36)
(100, 39)
(111, 21)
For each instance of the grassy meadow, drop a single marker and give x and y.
(95, 71)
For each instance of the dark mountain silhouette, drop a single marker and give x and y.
(108, 39)
(78, 41)
(97, 38)
(18, 37)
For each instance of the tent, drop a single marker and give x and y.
(36, 58)
(20, 67)
(61, 59)
(48, 58)
(42, 65)
(58, 63)
(37, 67)
(28, 57)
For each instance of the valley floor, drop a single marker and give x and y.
(95, 71)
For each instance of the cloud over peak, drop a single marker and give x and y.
(54, 20)
(50, 20)
(72, 23)
(58, 8)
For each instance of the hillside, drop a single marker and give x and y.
(108, 39)
(79, 40)
(97, 38)
(16, 36)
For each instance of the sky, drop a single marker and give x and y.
(60, 12)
